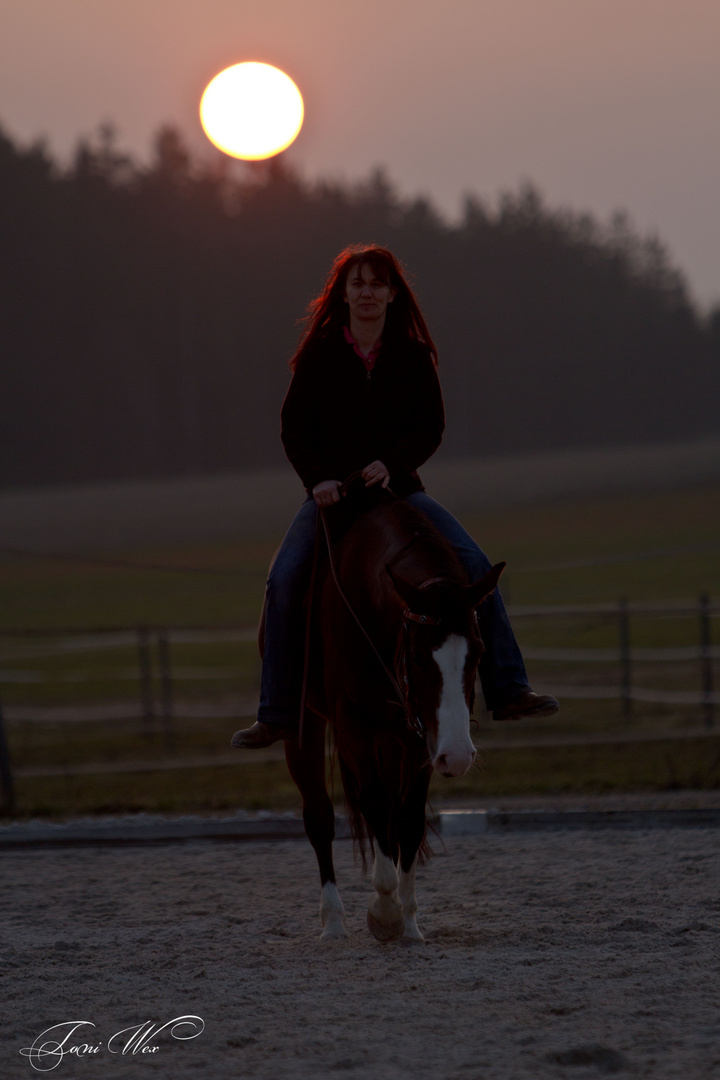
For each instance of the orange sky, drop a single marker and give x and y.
(603, 103)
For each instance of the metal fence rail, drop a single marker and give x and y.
(157, 706)
(626, 655)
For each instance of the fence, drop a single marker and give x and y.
(156, 705)
(626, 655)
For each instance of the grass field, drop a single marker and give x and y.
(253, 785)
(538, 542)
(666, 547)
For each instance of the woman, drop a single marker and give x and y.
(365, 397)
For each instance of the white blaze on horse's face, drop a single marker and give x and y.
(454, 752)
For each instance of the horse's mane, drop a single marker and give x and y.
(417, 543)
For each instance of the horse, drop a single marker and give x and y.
(391, 659)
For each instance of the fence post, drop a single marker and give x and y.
(167, 690)
(625, 663)
(706, 661)
(146, 681)
(6, 777)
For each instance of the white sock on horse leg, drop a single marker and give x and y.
(406, 892)
(384, 875)
(332, 912)
(385, 906)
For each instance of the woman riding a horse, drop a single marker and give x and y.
(365, 397)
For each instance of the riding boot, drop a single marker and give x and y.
(261, 735)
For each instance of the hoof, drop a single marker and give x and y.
(385, 931)
(334, 931)
(412, 935)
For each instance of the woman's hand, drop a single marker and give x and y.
(326, 493)
(376, 473)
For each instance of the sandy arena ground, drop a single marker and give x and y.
(550, 954)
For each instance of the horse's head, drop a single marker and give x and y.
(439, 653)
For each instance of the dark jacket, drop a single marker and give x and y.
(336, 419)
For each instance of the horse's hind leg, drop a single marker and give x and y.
(406, 892)
(307, 768)
(411, 832)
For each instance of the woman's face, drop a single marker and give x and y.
(366, 295)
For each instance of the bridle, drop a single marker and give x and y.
(412, 713)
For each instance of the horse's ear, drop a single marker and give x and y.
(410, 593)
(480, 589)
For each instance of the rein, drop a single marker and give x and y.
(401, 688)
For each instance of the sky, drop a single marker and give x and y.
(604, 105)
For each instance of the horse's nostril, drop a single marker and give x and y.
(455, 763)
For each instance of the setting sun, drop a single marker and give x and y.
(252, 111)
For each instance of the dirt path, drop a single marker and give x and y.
(552, 954)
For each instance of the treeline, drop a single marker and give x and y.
(148, 314)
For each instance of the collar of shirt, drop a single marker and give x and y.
(369, 360)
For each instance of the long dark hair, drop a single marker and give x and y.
(328, 311)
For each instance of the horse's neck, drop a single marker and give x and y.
(398, 535)
(418, 552)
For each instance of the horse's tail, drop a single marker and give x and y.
(358, 827)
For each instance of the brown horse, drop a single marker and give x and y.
(392, 669)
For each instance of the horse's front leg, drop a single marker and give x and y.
(307, 768)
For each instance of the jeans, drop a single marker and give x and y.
(502, 671)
